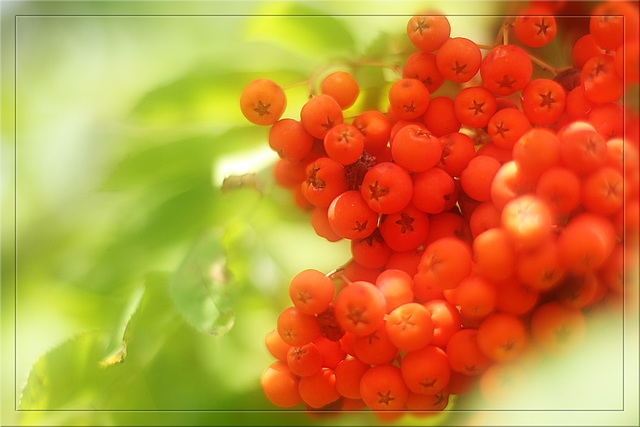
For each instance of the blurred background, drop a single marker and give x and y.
(146, 250)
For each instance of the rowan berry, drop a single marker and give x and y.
(304, 360)
(458, 59)
(263, 102)
(350, 217)
(433, 190)
(409, 326)
(349, 373)
(506, 126)
(375, 348)
(387, 188)
(319, 389)
(474, 106)
(396, 286)
(421, 65)
(543, 101)
(344, 143)
(457, 151)
(506, 69)
(319, 114)
(464, 355)
(311, 291)
(297, 328)
(415, 148)
(600, 80)
(426, 370)
(324, 182)
(494, 253)
(342, 87)
(428, 32)
(502, 337)
(444, 263)
(535, 31)
(280, 385)
(409, 98)
(476, 179)
(440, 117)
(360, 308)
(405, 230)
(382, 388)
(376, 129)
(446, 321)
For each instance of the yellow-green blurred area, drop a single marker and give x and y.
(137, 289)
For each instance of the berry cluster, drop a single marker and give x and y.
(481, 225)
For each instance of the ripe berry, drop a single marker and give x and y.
(382, 388)
(319, 114)
(543, 101)
(280, 385)
(350, 217)
(428, 33)
(506, 69)
(415, 149)
(311, 291)
(387, 188)
(426, 370)
(458, 59)
(360, 308)
(342, 87)
(263, 102)
(535, 31)
(409, 98)
(344, 143)
(421, 65)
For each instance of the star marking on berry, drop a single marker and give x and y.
(506, 82)
(508, 345)
(298, 352)
(428, 383)
(562, 334)
(405, 322)
(360, 226)
(477, 107)
(542, 28)
(439, 399)
(373, 336)
(409, 108)
(329, 123)
(344, 136)
(356, 315)
(421, 25)
(405, 222)
(304, 297)
(501, 130)
(547, 100)
(600, 67)
(385, 398)
(314, 180)
(459, 68)
(377, 191)
(262, 109)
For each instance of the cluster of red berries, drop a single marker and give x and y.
(479, 226)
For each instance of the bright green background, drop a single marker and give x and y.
(143, 291)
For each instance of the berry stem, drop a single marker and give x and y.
(338, 273)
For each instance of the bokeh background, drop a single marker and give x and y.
(146, 250)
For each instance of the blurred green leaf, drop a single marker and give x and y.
(73, 376)
(200, 286)
(302, 28)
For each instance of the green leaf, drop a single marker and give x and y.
(200, 286)
(76, 375)
(302, 28)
